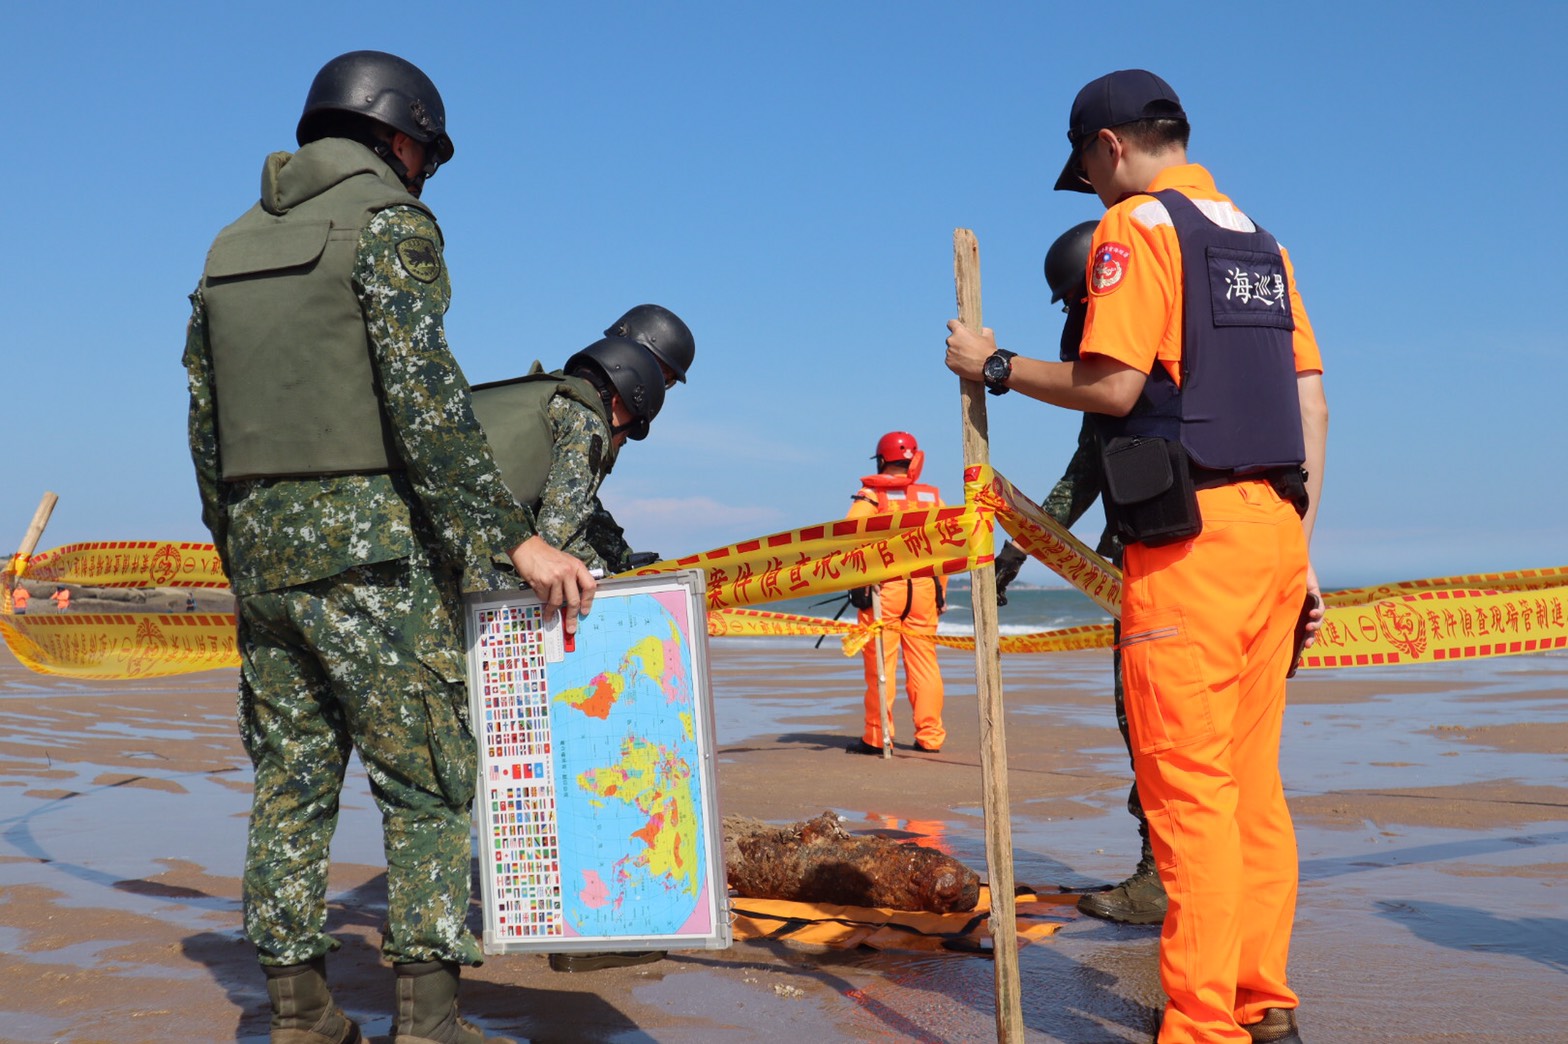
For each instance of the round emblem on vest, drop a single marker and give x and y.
(1109, 268)
(420, 258)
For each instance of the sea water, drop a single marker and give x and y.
(1028, 609)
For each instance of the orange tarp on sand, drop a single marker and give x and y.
(832, 927)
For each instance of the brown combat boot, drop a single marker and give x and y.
(302, 1008)
(1278, 1027)
(427, 1007)
(1138, 900)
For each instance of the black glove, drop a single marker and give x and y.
(638, 559)
(860, 597)
(1008, 563)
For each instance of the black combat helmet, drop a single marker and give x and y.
(660, 331)
(631, 372)
(384, 87)
(1068, 259)
(1066, 262)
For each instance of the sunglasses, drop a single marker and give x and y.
(432, 163)
(1079, 144)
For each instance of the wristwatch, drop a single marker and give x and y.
(997, 369)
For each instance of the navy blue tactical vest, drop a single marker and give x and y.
(1237, 408)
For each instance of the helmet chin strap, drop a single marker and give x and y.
(607, 396)
(414, 183)
(636, 429)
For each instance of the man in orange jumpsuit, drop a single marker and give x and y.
(61, 599)
(19, 598)
(1214, 370)
(910, 604)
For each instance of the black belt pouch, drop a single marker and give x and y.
(1149, 492)
(1291, 485)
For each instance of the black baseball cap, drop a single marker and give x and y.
(1124, 96)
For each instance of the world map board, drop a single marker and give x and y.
(598, 819)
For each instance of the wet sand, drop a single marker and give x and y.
(1430, 803)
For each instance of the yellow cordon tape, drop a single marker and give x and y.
(755, 623)
(1416, 621)
(761, 623)
(1050, 542)
(1065, 639)
(1438, 626)
(1518, 580)
(129, 563)
(122, 645)
(835, 556)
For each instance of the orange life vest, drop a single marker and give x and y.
(910, 496)
(892, 493)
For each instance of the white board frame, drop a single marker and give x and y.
(520, 606)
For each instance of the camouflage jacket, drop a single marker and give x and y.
(570, 515)
(450, 499)
(1080, 485)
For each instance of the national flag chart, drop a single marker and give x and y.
(515, 730)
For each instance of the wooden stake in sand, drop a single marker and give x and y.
(882, 700)
(30, 541)
(988, 680)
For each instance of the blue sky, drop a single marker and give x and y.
(787, 178)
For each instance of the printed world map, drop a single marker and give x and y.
(626, 764)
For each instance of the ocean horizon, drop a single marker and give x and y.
(1028, 609)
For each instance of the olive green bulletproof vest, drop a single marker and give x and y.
(515, 417)
(295, 388)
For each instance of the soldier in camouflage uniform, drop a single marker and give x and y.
(1141, 898)
(606, 393)
(556, 436)
(345, 480)
(570, 514)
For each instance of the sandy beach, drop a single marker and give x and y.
(1430, 802)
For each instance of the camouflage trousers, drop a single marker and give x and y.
(369, 660)
(1134, 805)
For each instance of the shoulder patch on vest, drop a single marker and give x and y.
(420, 258)
(1109, 268)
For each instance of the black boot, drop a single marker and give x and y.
(1278, 1027)
(302, 1009)
(1138, 900)
(427, 1007)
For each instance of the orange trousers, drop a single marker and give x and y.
(915, 636)
(1206, 641)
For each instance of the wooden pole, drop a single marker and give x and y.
(988, 680)
(883, 714)
(30, 541)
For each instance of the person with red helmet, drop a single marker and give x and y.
(910, 605)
